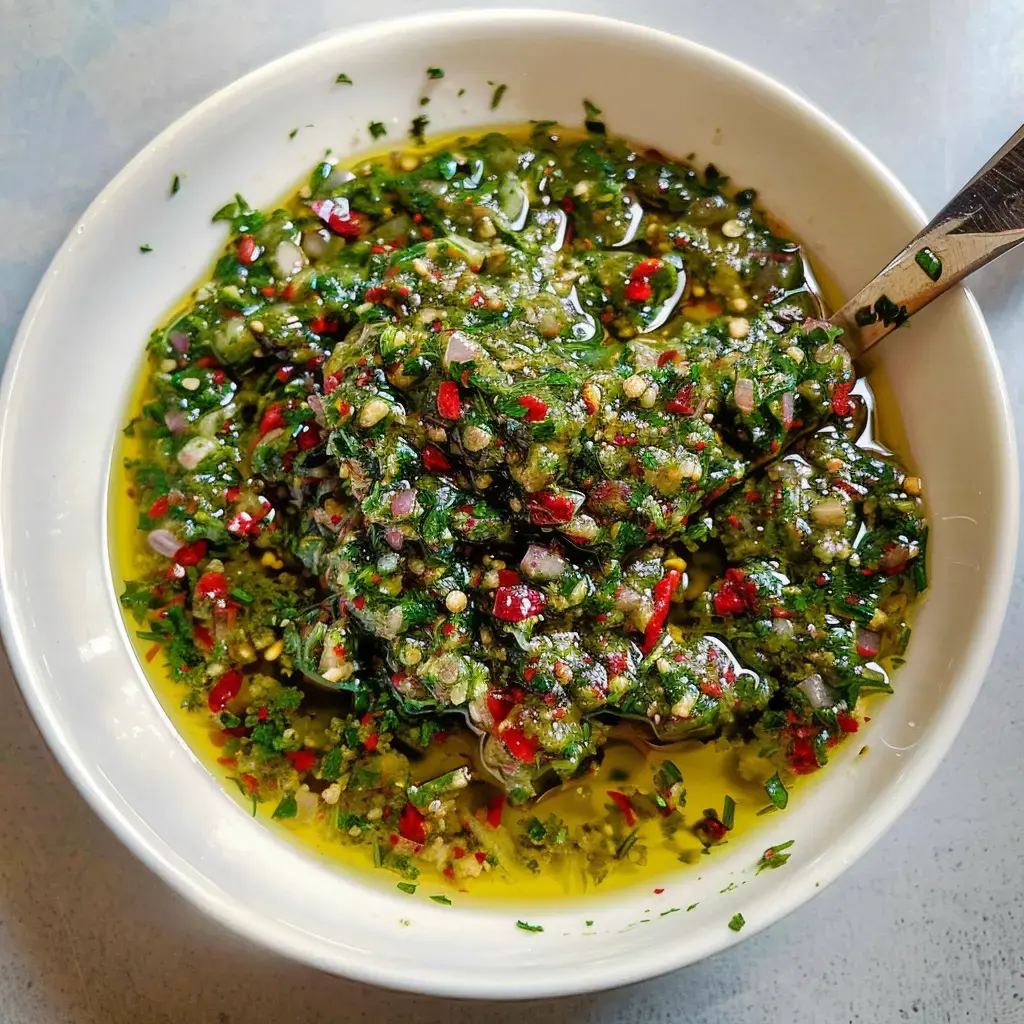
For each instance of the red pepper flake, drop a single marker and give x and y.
(802, 759)
(449, 873)
(458, 852)
(494, 811)
(250, 783)
(359, 602)
(736, 594)
(714, 829)
(340, 218)
(302, 760)
(378, 293)
(625, 805)
(536, 410)
(508, 578)
(247, 249)
(841, 404)
(549, 509)
(658, 892)
(733, 521)
(158, 508)
(448, 404)
(426, 232)
(224, 691)
(270, 292)
(847, 722)
(639, 291)
(262, 713)
(412, 825)
(212, 585)
(191, 554)
(272, 419)
(516, 603)
(646, 269)
(711, 688)
(288, 293)
(284, 374)
(480, 855)
(371, 741)
(663, 591)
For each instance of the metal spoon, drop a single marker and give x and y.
(982, 221)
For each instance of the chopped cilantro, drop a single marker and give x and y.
(435, 72)
(145, 248)
(377, 129)
(287, 808)
(442, 899)
(175, 184)
(343, 79)
(929, 263)
(418, 128)
(529, 927)
(736, 922)
(499, 91)
(293, 133)
(408, 887)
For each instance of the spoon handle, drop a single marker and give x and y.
(982, 221)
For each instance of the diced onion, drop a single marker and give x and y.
(289, 259)
(460, 349)
(869, 643)
(829, 512)
(315, 243)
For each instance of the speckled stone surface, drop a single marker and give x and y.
(929, 927)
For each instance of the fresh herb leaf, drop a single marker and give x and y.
(408, 887)
(175, 184)
(418, 128)
(929, 263)
(442, 899)
(777, 792)
(529, 927)
(343, 79)
(728, 812)
(377, 129)
(435, 72)
(499, 91)
(293, 133)
(737, 922)
(591, 110)
(287, 808)
(145, 248)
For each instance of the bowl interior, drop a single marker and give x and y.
(67, 384)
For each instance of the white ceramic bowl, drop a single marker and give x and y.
(76, 355)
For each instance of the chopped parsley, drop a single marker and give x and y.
(529, 927)
(736, 922)
(499, 92)
(408, 887)
(435, 72)
(377, 129)
(145, 248)
(343, 79)
(175, 184)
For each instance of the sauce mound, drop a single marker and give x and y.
(485, 489)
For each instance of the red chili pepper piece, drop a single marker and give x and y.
(736, 594)
(520, 746)
(309, 437)
(204, 636)
(714, 829)
(625, 805)
(250, 783)
(158, 508)
(247, 249)
(549, 509)
(378, 293)
(302, 760)
(412, 825)
(666, 358)
(683, 402)
(508, 578)
(802, 759)
(371, 741)
(340, 218)
(224, 691)
(514, 604)
(663, 591)
(434, 460)
(272, 419)
(536, 410)
(494, 810)
(841, 404)
(448, 404)
(191, 554)
(212, 585)
(646, 269)
(499, 706)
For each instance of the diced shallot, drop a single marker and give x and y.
(395, 538)
(180, 341)
(895, 557)
(540, 563)
(403, 502)
(743, 395)
(289, 259)
(195, 451)
(460, 349)
(817, 691)
(787, 402)
(176, 420)
(869, 643)
(163, 542)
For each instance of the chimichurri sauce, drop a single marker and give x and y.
(525, 448)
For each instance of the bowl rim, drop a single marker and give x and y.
(874, 822)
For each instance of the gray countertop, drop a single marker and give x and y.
(928, 927)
